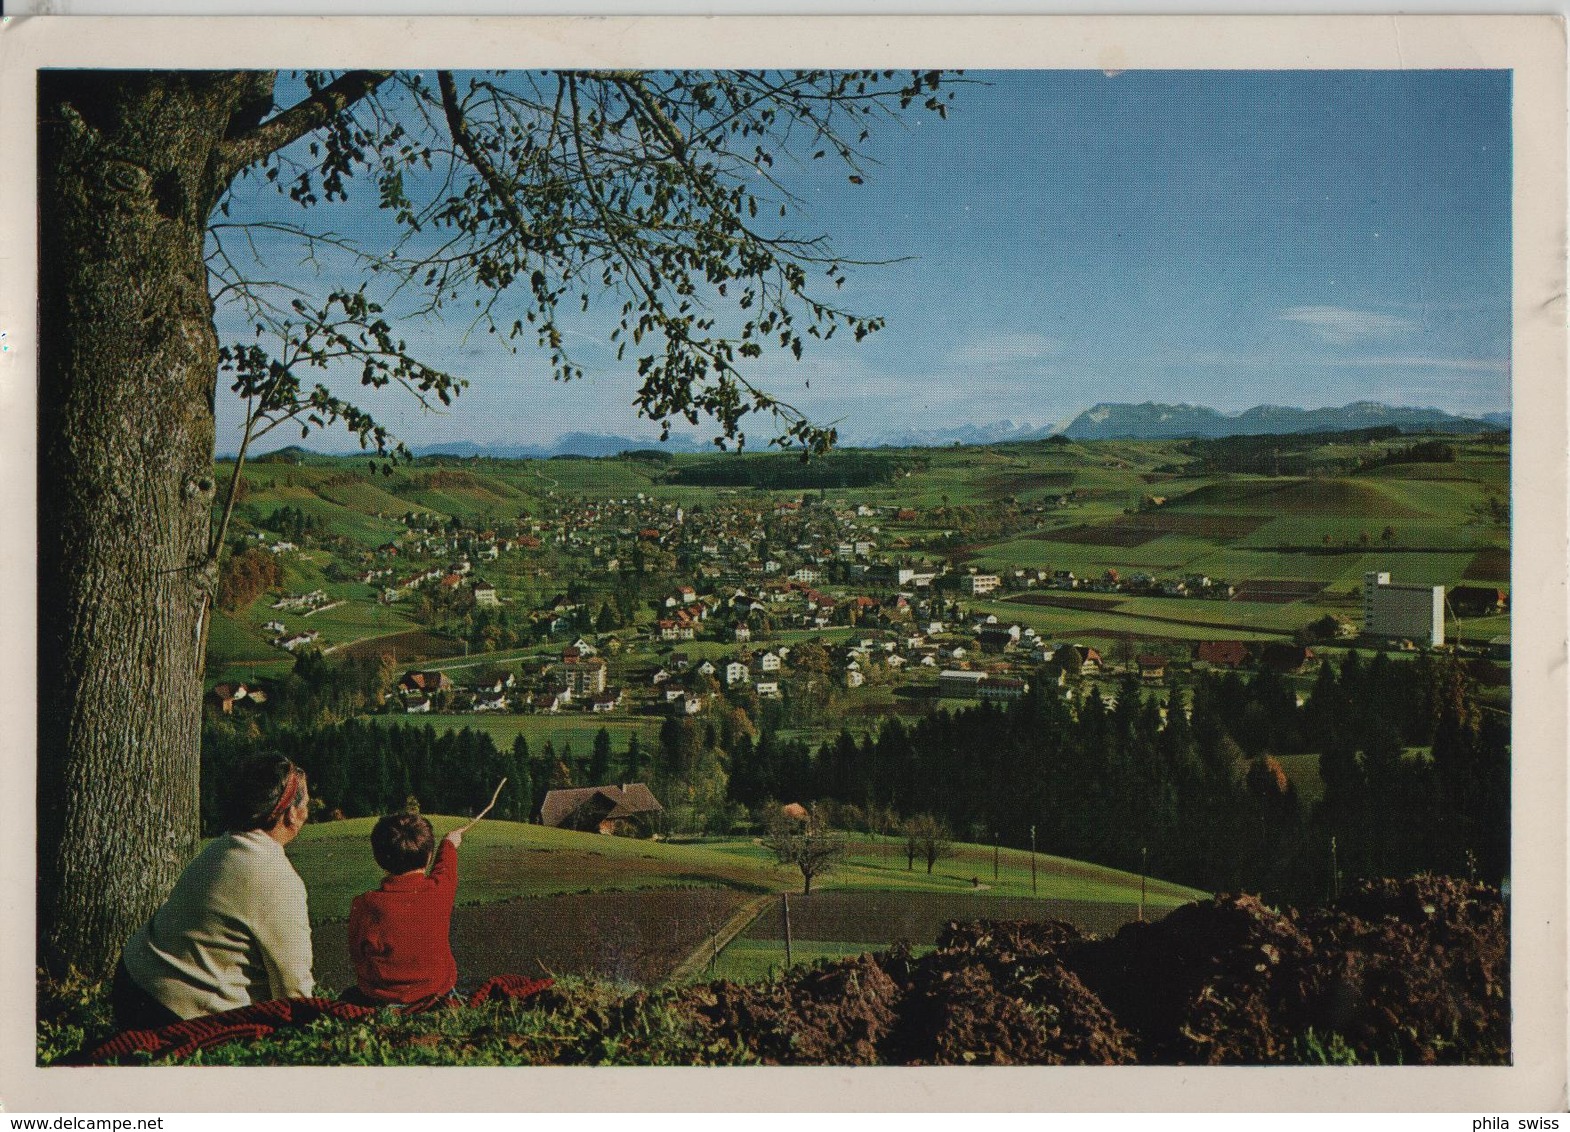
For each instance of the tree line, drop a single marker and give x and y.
(839, 469)
(1415, 771)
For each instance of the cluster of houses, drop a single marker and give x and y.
(282, 638)
(303, 603)
(271, 543)
(421, 692)
(1111, 581)
(681, 685)
(455, 576)
(429, 534)
(226, 697)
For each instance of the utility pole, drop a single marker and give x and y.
(1033, 860)
(785, 909)
(1143, 853)
(994, 856)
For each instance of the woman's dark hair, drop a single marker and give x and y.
(256, 788)
(402, 842)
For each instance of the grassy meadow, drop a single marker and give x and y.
(511, 875)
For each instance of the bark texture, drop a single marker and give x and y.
(130, 167)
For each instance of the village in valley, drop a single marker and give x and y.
(625, 596)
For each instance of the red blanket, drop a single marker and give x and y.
(182, 1039)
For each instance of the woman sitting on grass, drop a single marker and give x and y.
(235, 929)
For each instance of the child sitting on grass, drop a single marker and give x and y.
(398, 933)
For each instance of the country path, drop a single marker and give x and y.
(720, 940)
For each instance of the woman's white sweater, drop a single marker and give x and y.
(235, 930)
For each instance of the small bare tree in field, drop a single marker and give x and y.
(810, 846)
(928, 838)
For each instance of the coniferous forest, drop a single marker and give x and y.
(1186, 784)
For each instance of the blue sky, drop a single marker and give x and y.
(1066, 238)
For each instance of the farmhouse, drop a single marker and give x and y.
(627, 809)
(412, 683)
(490, 699)
(225, 696)
(1284, 658)
(1478, 601)
(997, 638)
(1222, 654)
(1078, 658)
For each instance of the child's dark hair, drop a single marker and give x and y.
(402, 842)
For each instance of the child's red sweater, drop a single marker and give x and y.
(398, 933)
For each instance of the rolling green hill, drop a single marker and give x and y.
(503, 861)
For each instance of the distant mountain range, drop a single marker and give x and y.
(1150, 420)
(567, 444)
(1107, 421)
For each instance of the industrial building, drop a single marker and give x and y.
(1407, 613)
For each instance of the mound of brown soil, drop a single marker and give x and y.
(1413, 972)
(1201, 986)
(829, 1014)
(997, 994)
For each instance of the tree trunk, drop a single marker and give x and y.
(128, 174)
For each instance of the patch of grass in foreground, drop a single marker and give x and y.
(586, 1022)
(749, 960)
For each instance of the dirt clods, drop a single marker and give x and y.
(829, 1014)
(1398, 972)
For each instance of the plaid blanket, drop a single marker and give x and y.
(182, 1039)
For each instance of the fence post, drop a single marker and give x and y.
(1033, 860)
(785, 909)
